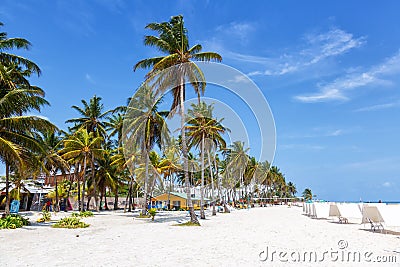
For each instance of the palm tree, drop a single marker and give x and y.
(52, 161)
(170, 164)
(202, 126)
(92, 120)
(24, 65)
(146, 127)
(291, 188)
(238, 160)
(249, 173)
(307, 194)
(82, 146)
(92, 117)
(17, 97)
(173, 41)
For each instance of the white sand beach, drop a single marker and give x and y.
(235, 239)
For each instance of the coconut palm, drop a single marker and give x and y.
(92, 119)
(307, 194)
(52, 161)
(202, 126)
(82, 146)
(238, 160)
(291, 188)
(146, 127)
(23, 65)
(171, 164)
(172, 40)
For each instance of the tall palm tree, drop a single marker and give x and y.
(146, 127)
(238, 160)
(307, 194)
(24, 65)
(52, 161)
(171, 164)
(172, 40)
(92, 119)
(291, 188)
(202, 126)
(83, 146)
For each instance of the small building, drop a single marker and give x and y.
(177, 201)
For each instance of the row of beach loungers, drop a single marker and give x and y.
(377, 215)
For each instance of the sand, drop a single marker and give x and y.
(241, 238)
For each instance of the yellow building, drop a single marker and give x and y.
(177, 201)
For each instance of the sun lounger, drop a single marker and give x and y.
(375, 225)
(343, 220)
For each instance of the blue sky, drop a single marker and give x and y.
(329, 70)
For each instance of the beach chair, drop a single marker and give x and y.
(375, 225)
(343, 220)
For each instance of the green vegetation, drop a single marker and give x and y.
(83, 214)
(189, 223)
(152, 213)
(46, 217)
(71, 223)
(13, 221)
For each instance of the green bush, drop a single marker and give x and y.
(83, 214)
(70, 222)
(152, 213)
(13, 221)
(46, 216)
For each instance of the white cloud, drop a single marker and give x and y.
(319, 132)
(379, 107)
(336, 89)
(332, 43)
(302, 147)
(239, 30)
(89, 78)
(386, 184)
(316, 48)
(240, 79)
(325, 95)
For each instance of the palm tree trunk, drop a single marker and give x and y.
(7, 209)
(116, 199)
(146, 178)
(130, 198)
(96, 198)
(105, 200)
(56, 206)
(83, 186)
(193, 217)
(78, 181)
(202, 214)
(214, 212)
(169, 191)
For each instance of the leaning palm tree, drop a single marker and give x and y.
(146, 127)
(17, 141)
(82, 146)
(9, 44)
(172, 40)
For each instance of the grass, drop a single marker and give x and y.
(144, 216)
(83, 214)
(189, 223)
(70, 223)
